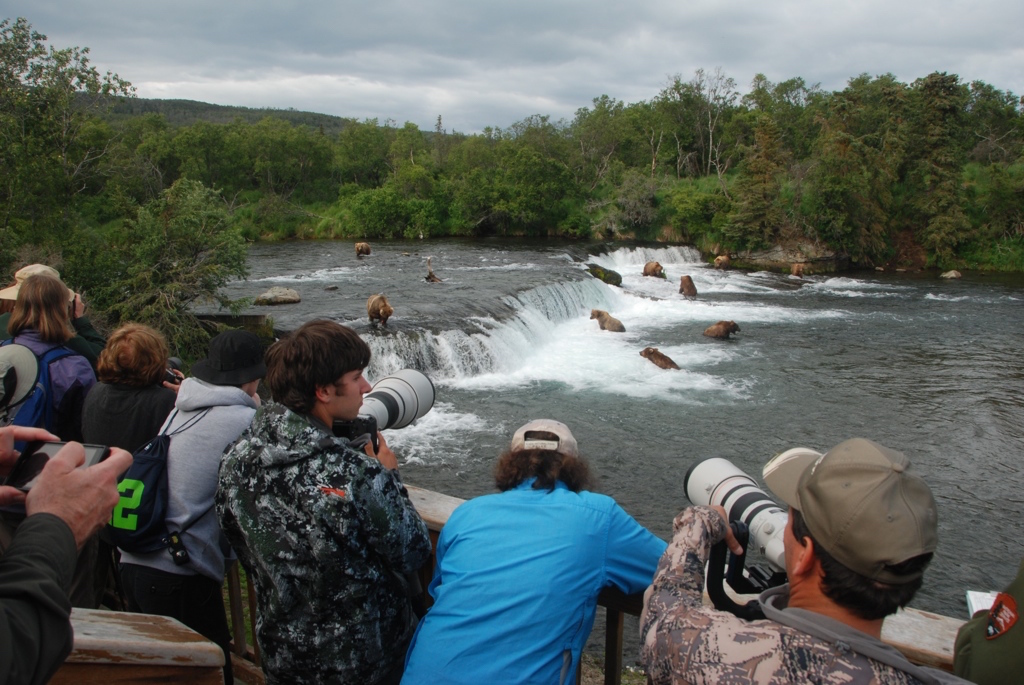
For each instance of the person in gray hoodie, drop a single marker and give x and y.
(211, 412)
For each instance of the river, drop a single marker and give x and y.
(931, 367)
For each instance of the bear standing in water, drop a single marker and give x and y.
(722, 330)
(378, 309)
(606, 321)
(686, 287)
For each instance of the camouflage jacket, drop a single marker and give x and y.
(325, 533)
(684, 641)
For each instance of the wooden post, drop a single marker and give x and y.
(237, 616)
(613, 646)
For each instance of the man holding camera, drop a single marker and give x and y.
(860, 532)
(65, 507)
(325, 532)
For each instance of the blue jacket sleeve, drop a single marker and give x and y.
(633, 553)
(35, 572)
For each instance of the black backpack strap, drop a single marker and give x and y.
(193, 420)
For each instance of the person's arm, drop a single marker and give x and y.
(35, 572)
(680, 574)
(674, 625)
(390, 520)
(88, 343)
(633, 552)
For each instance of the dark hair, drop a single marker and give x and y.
(546, 465)
(42, 305)
(135, 355)
(868, 599)
(317, 354)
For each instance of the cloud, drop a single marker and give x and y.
(493, 63)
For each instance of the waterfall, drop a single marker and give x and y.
(484, 344)
(625, 259)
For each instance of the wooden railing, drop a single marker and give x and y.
(925, 638)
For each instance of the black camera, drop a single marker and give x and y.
(359, 431)
(173, 364)
(394, 401)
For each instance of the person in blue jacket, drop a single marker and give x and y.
(518, 573)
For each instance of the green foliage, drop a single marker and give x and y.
(51, 142)
(757, 217)
(699, 212)
(636, 201)
(177, 251)
(937, 169)
(850, 198)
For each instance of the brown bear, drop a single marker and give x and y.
(722, 329)
(658, 358)
(606, 321)
(362, 249)
(377, 308)
(796, 269)
(722, 261)
(654, 269)
(687, 288)
(431, 276)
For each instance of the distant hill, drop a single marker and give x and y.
(187, 112)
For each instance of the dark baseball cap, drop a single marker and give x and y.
(861, 504)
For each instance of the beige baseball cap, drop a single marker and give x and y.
(24, 272)
(528, 438)
(861, 504)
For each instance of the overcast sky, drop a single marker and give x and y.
(481, 63)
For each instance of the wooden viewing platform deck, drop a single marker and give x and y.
(117, 647)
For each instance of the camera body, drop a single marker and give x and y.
(394, 401)
(35, 456)
(359, 430)
(173, 364)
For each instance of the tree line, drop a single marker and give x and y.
(928, 173)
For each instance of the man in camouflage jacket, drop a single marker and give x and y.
(873, 517)
(325, 532)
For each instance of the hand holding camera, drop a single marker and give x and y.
(81, 497)
(173, 376)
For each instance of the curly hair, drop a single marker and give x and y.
(42, 305)
(135, 355)
(317, 354)
(868, 599)
(544, 465)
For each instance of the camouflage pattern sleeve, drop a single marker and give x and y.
(684, 641)
(390, 521)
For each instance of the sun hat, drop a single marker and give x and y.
(526, 438)
(861, 504)
(24, 272)
(18, 371)
(235, 358)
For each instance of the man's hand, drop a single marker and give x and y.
(730, 539)
(82, 498)
(384, 455)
